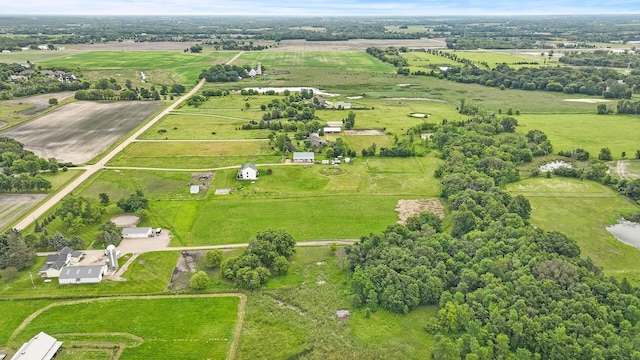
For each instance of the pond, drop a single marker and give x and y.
(626, 231)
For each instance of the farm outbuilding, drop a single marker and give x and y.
(194, 189)
(41, 347)
(136, 232)
(82, 274)
(303, 157)
(248, 172)
(331, 130)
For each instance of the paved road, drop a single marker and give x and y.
(92, 169)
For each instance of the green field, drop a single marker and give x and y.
(588, 131)
(582, 210)
(162, 67)
(346, 61)
(203, 328)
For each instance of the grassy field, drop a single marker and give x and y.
(208, 126)
(195, 155)
(307, 201)
(588, 131)
(346, 61)
(161, 67)
(582, 210)
(297, 310)
(206, 329)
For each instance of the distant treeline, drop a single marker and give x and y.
(20, 168)
(602, 58)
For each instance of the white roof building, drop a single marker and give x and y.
(194, 189)
(82, 274)
(303, 157)
(331, 130)
(248, 172)
(41, 347)
(136, 232)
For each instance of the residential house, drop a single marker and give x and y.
(55, 262)
(41, 347)
(248, 172)
(82, 274)
(136, 232)
(315, 141)
(303, 157)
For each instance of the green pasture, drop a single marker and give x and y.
(632, 168)
(495, 58)
(588, 131)
(195, 155)
(14, 312)
(355, 61)
(148, 274)
(311, 202)
(426, 62)
(297, 310)
(184, 67)
(359, 142)
(201, 126)
(582, 210)
(203, 328)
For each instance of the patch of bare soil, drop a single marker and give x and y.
(342, 315)
(183, 270)
(409, 208)
(364, 132)
(202, 179)
(2, 124)
(357, 44)
(79, 131)
(132, 45)
(40, 102)
(126, 220)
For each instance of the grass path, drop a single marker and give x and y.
(236, 332)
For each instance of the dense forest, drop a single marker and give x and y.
(504, 288)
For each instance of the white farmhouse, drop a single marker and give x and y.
(248, 172)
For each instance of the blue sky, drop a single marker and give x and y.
(318, 7)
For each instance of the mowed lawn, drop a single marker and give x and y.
(201, 329)
(582, 210)
(184, 66)
(591, 132)
(310, 202)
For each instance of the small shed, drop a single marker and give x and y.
(194, 189)
(42, 347)
(331, 130)
(248, 172)
(303, 157)
(136, 232)
(82, 274)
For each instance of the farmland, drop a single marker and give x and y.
(291, 316)
(79, 131)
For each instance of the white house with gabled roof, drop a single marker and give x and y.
(248, 172)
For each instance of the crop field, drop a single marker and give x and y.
(164, 67)
(355, 44)
(582, 210)
(79, 131)
(588, 131)
(203, 328)
(194, 126)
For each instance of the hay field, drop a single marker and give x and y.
(12, 206)
(79, 131)
(357, 44)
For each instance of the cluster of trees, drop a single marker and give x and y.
(586, 80)
(21, 168)
(109, 89)
(503, 287)
(601, 58)
(77, 212)
(32, 81)
(15, 254)
(134, 203)
(226, 43)
(268, 254)
(389, 55)
(623, 107)
(225, 73)
(53, 243)
(578, 154)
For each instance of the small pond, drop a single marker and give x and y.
(626, 231)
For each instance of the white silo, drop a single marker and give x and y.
(113, 257)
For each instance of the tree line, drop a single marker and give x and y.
(21, 168)
(504, 289)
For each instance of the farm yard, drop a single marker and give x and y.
(203, 145)
(79, 131)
